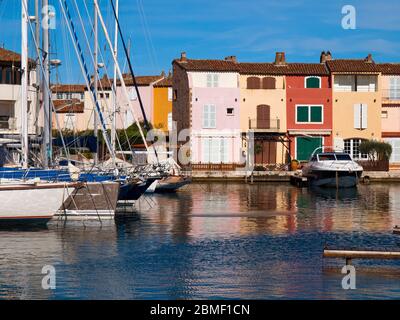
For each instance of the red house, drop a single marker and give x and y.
(308, 107)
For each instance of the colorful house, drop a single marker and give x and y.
(356, 102)
(263, 110)
(308, 107)
(207, 104)
(162, 104)
(390, 113)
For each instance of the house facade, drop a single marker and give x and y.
(162, 104)
(263, 111)
(308, 108)
(69, 102)
(207, 104)
(390, 113)
(10, 94)
(357, 103)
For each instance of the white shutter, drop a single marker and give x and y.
(357, 116)
(216, 78)
(209, 80)
(212, 116)
(206, 150)
(364, 116)
(205, 116)
(169, 94)
(170, 121)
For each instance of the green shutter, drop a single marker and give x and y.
(305, 147)
(312, 82)
(316, 114)
(302, 114)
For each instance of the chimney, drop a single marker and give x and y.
(163, 74)
(368, 59)
(280, 59)
(231, 59)
(183, 57)
(325, 56)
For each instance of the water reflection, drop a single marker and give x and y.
(217, 240)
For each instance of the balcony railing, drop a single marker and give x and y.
(391, 94)
(264, 125)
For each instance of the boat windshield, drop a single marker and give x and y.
(326, 157)
(343, 156)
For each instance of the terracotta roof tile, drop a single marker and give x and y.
(11, 56)
(208, 65)
(389, 68)
(166, 82)
(351, 66)
(140, 80)
(68, 88)
(69, 106)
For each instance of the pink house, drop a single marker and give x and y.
(206, 101)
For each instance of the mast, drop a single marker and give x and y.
(47, 134)
(96, 70)
(114, 93)
(37, 37)
(24, 83)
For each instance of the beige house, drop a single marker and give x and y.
(10, 94)
(356, 103)
(263, 110)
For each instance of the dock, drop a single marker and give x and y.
(356, 254)
(299, 181)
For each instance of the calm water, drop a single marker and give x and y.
(214, 241)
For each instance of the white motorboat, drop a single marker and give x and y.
(25, 203)
(332, 169)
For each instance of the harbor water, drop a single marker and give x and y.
(214, 241)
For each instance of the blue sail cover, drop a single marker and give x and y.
(82, 142)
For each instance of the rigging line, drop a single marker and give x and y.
(102, 59)
(47, 84)
(133, 77)
(147, 29)
(85, 71)
(122, 80)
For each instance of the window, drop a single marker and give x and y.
(384, 114)
(366, 83)
(8, 75)
(313, 82)
(133, 94)
(209, 117)
(215, 150)
(170, 121)
(352, 147)
(169, 94)
(360, 116)
(253, 83)
(395, 142)
(212, 80)
(230, 111)
(394, 88)
(82, 96)
(59, 96)
(268, 83)
(309, 114)
(68, 96)
(344, 83)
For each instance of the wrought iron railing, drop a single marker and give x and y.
(264, 124)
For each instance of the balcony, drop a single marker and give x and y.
(264, 125)
(391, 95)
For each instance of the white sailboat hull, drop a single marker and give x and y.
(30, 203)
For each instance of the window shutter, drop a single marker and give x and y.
(212, 116)
(357, 116)
(302, 114)
(253, 83)
(205, 117)
(206, 150)
(209, 80)
(216, 78)
(312, 82)
(364, 116)
(268, 83)
(316, 114)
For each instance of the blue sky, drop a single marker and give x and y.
(252, 30)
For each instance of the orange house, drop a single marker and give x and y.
(162, 112)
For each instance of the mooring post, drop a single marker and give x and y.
(348, 261)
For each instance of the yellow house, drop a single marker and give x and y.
(357, 104)
(162, 107)
(263, 110)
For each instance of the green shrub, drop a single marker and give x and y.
(376, 150)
